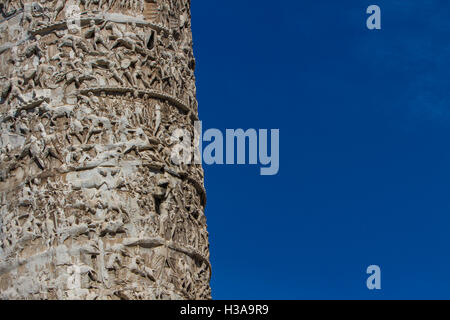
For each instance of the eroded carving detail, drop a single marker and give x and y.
(92, 206)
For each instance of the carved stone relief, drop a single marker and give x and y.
(92, 206)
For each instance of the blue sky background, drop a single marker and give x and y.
(364, 119)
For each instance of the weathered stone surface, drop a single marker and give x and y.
(92, 206)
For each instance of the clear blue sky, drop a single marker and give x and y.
(364, 119)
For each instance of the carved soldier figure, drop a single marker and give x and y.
(73, 41)
(95, 33)
(44, 70)
(156, 75)
(13, 86)
(139, 71)
(130, 40)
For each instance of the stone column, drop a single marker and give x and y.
(92, 205)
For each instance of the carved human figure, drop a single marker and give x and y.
(95, 33)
